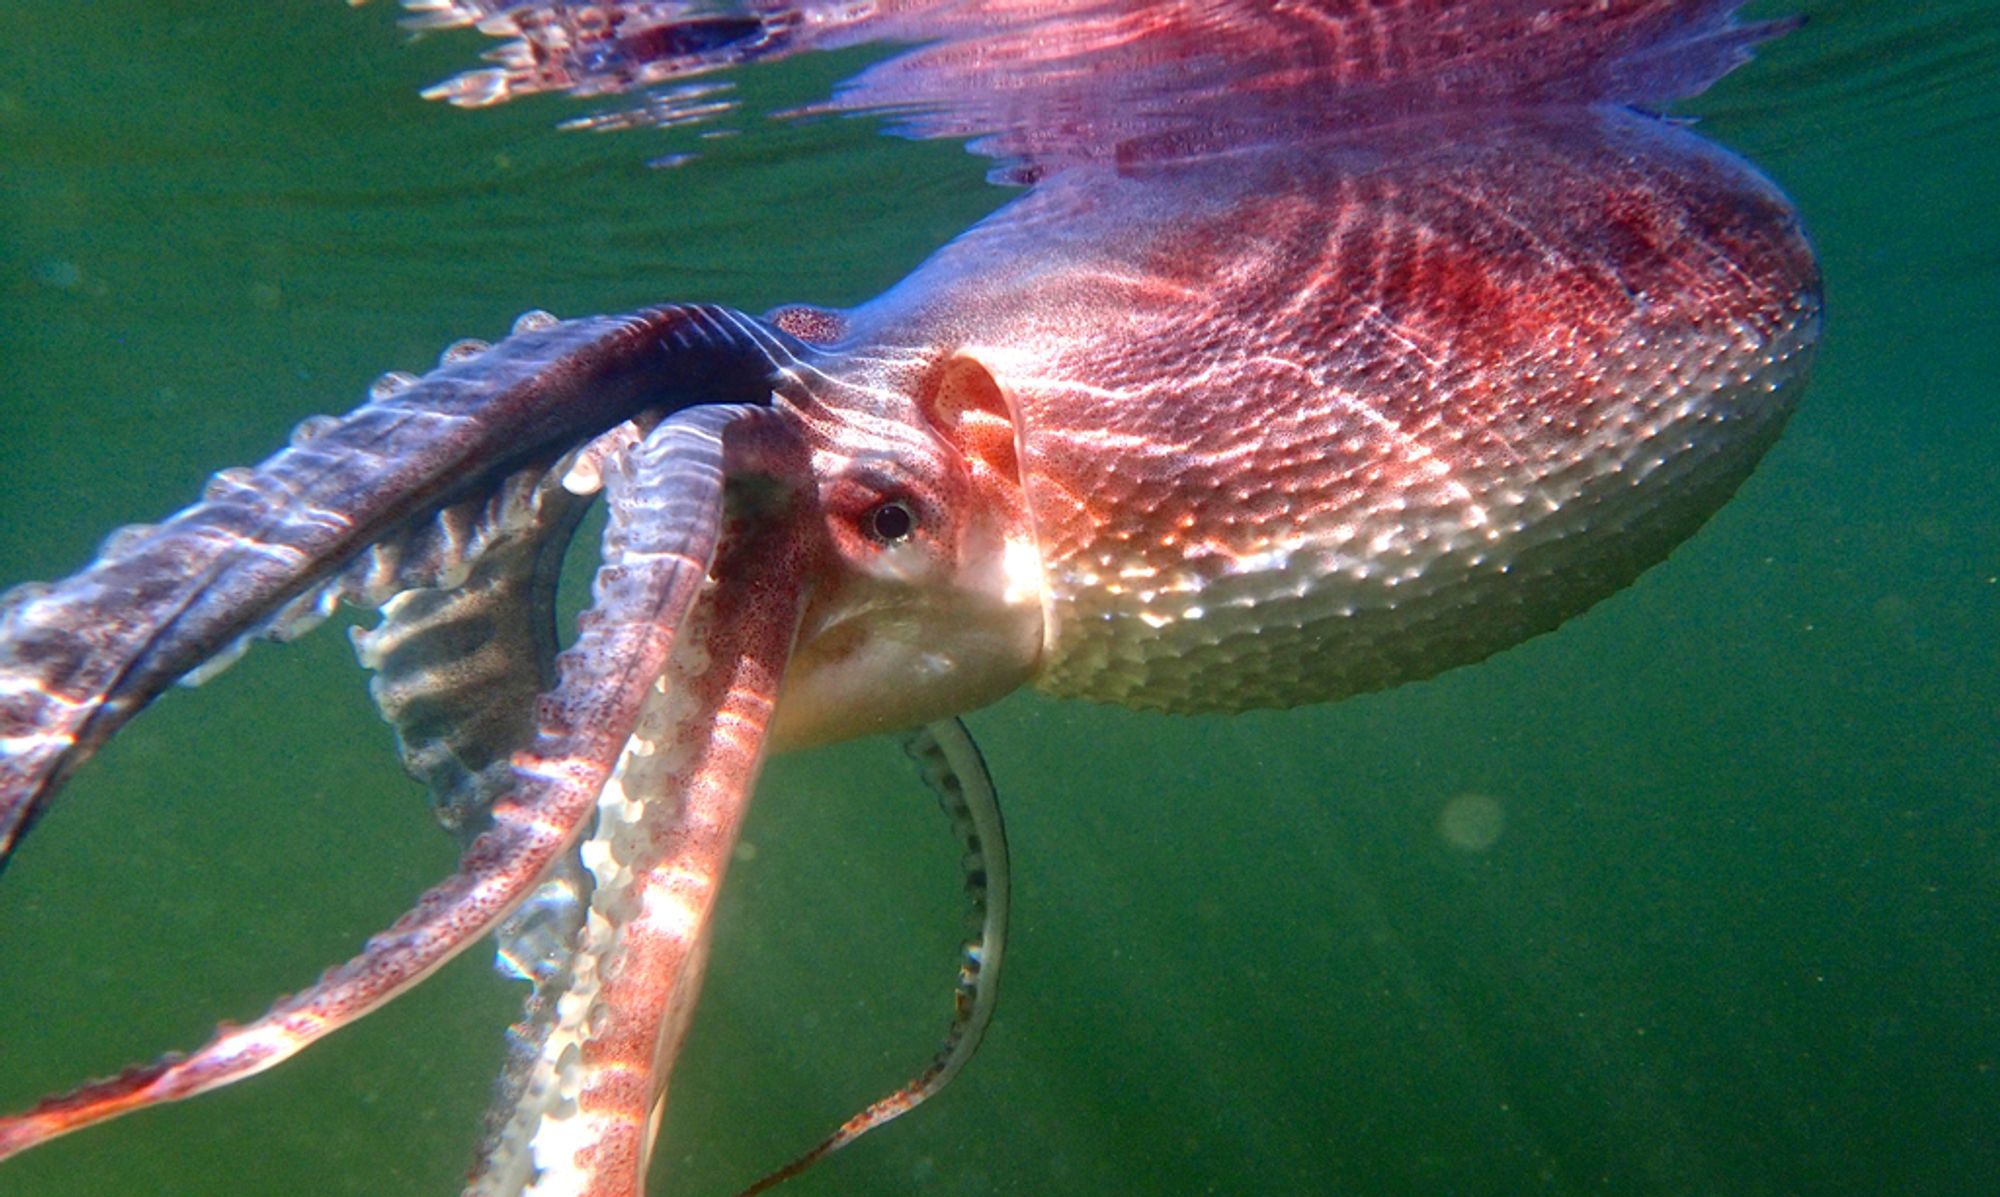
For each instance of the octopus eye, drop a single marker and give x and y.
(890, 522)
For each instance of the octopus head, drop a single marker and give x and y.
(932, 600)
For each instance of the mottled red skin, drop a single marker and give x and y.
(1366, 338)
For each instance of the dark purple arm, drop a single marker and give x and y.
(80, 656)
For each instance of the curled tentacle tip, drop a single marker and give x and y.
(311, 428)
(534, 321)
(462, 351)
(389, 385)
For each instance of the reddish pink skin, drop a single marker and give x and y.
(746, 624)
(1585, 325)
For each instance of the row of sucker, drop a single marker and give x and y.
(536, 1102)
(457, 667)
(457, 670)
(546, 942)
(952, 766)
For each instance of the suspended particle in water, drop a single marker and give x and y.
(1472, 822)
(59, 273)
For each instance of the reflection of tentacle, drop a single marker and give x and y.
(603, 1029)
(658, 555)
(79, 657)
(954, 769)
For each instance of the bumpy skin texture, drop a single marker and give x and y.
(1492, 373)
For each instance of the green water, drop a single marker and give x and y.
(1737, 934)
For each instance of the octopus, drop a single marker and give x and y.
(1403, 333)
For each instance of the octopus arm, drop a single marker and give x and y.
(457, 670)
(954, 769)
(659, 547)
(79, 657)
(589, 1066)
(458, 663)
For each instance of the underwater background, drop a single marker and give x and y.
(1699, 894)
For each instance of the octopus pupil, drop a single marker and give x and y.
(892, 521)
